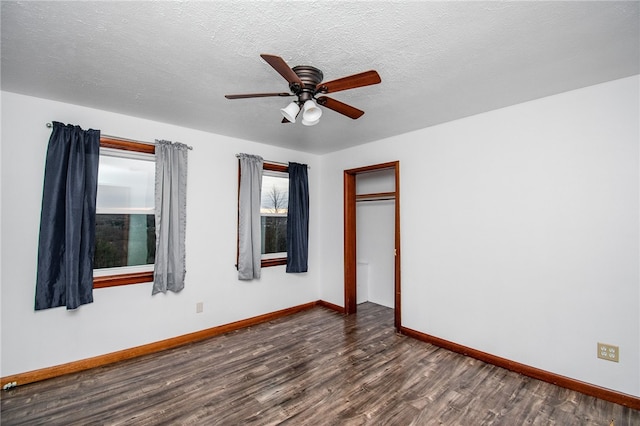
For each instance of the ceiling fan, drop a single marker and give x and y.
(305, 82)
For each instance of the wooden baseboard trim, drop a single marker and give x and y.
(331, 306)
(113, 357)
(526, 370)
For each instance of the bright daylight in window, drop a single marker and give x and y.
(273, 214)
(125, 219)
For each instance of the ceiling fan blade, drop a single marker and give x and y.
(340, 107)
(283, 69)
(256, 95)
(285, 121)
(351, 82)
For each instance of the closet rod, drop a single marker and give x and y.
(368, 200)
(49, 125)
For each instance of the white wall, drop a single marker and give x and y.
(520, 231)
(375, 245)
(128, 316)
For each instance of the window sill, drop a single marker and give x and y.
(274, 262)
(123, 279)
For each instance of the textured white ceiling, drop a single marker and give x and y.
(439, 61)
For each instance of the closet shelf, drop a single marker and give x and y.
(378, 196)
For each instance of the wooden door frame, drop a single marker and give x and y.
(350, 238)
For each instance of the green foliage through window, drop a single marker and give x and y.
(124, 240)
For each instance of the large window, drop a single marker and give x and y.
(125, 214)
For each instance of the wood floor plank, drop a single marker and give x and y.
(315, 367)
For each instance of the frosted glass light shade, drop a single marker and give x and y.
(309, 123)
(290, 111)
(311, 112)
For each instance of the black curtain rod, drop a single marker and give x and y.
(49, 125)
(276, 162)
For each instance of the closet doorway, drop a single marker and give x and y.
(352, 196)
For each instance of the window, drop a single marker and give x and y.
(273, 215)
(125, 214)
(274, 207)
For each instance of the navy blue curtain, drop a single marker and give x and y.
(68, 217)
(298, 219)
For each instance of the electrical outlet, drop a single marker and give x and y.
(199, 307)
(608, 352)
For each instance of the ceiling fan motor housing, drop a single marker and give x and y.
(310, 77)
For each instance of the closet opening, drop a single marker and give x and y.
(372, 217)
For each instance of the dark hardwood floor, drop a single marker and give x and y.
(313, 368)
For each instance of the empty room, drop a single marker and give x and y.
(320, 212)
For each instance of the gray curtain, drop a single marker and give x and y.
(249, 229)
(171, 216)
(67, 220)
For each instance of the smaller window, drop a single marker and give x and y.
(273, 214)
(274, 206)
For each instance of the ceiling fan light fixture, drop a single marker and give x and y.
(311, 112)
(309, 123)
(290, 112)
